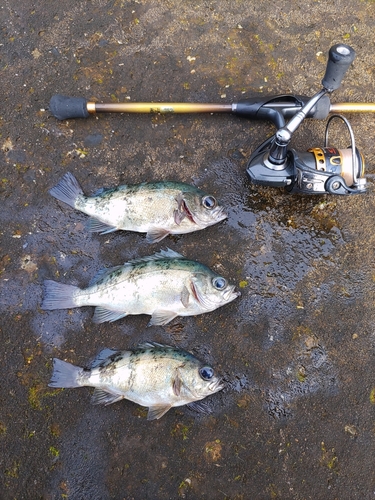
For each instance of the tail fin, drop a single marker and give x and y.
(67, 190)
(64, 374)
(58, 295)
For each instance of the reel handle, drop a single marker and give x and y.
(340, 57)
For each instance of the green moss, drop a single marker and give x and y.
(37, 392)
(183, 486)
(54, 451)
(331, 464)
(329, 458)
(180, 430)
(14, 470)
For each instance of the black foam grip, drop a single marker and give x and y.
(63, 107)
(340, 57)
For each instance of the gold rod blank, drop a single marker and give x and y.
(352, 107)
(188, 107)
(158, 107)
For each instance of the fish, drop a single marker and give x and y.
(153, 375)
(163, 285)
(155, 208)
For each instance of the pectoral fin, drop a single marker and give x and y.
(155, 412)
(177, 384)
(185, 297)
(178, 216)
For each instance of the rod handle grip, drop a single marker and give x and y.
(64, 107)
(340, 57)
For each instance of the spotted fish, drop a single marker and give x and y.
(157, 376)
(164, 285)
(157, 209)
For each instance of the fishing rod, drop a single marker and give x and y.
(261, 107)
(317, 171)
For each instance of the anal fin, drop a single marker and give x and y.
(96, 226)
(101, 315)
(103, 397)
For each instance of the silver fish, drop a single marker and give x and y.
(158, 208)
(153, 375)
(164, 285)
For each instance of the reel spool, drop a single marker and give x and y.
(337, 171)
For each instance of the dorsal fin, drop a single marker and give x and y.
(150, 345)
(102, 356)
(103, 273)
(163, 254)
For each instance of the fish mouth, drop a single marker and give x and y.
(216, 385)
(206, 301)
(219, 214)
(231, 293)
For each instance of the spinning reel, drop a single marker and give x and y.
(325, 170)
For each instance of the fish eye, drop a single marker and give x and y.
(206, 373)
(219, 283)
(209, 202)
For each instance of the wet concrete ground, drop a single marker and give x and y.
(297, 417)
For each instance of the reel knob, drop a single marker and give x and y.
(340, 57)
